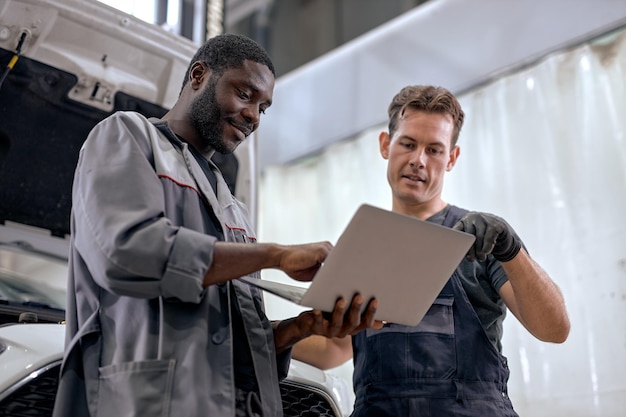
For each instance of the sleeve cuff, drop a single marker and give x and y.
(189, 260)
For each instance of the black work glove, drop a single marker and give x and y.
(493, 235)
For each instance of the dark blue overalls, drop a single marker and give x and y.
(444, 366)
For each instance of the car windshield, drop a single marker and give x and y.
(31, 279)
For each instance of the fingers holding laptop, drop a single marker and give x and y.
(355, 321)
(312, 332)
(346, 319)
(301, 262)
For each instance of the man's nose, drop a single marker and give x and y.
(417, 158)
(252, 115)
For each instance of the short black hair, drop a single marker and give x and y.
(228, 51)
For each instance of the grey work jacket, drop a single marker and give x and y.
(144, 338)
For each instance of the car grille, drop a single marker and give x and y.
(36, 398)
(301, 400)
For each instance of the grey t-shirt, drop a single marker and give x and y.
(481, 282)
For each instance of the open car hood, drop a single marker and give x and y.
(65, 66)
(72, 71)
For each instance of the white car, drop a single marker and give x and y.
(30, 359)
(64, 66)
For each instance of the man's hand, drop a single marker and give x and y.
(493, 235)
(233, 260)
(343, 321)
(301, 262)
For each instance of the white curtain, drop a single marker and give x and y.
(545, 148)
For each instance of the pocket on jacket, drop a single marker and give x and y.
(135, 389)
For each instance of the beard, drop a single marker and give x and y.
(206, 117)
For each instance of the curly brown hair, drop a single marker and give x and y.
(429, 99)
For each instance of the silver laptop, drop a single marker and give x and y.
(402, 261)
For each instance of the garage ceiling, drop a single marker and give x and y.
(458, 44)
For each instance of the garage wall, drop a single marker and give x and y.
(543, 147)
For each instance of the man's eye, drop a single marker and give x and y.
(243, 95)
(262, 110)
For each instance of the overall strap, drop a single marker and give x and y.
(454, 215)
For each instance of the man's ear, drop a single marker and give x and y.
(198, 72)
(454, 154)
(383, 141)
